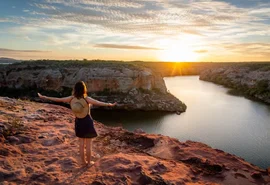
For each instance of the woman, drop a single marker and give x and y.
(84, 128)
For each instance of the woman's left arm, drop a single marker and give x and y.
(64, 99)
(99, 103)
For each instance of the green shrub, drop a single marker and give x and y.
(261, 86)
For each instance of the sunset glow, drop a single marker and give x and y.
(178, 52)
(226, 30)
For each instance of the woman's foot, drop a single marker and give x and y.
(84, 163)
(95, 156)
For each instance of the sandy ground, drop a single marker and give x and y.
(38, 146)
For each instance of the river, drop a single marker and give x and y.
(231, 123)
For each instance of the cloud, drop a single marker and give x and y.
(107, 3)
(201, 51)
(139, 23)
(44, 6)
(156, 17)
(152, 17)
(2, 50)
(116, 46)
(5, 20)
(249, 49)
(26, 38)
(24, 54)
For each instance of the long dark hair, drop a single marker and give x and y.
(80, 90)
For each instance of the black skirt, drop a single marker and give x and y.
(84, 127)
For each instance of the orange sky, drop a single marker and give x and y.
(158, 30)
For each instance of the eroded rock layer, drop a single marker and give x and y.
(131, 86)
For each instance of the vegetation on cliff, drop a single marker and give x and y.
(251, 80)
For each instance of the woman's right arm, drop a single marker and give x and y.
(64, 99)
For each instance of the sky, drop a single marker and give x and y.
(146, 30)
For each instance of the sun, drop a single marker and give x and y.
(178, 53)
(178, 50)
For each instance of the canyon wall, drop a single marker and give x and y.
(133, 87)
(251, 80)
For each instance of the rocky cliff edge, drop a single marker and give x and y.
(132, 87)
(251, 80)
(38, 146)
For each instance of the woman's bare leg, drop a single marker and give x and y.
(82, 145)
(88, 150)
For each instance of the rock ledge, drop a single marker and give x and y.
(38, 146)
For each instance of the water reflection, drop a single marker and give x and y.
(231, 123)
(148, 121)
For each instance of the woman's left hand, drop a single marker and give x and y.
(112, 104)
(41, 96)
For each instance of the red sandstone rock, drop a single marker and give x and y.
(125, 157)
(256, 175)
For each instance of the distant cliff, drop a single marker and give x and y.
(4, 60)
(252, 80)
(132, 86)
(167, 69)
